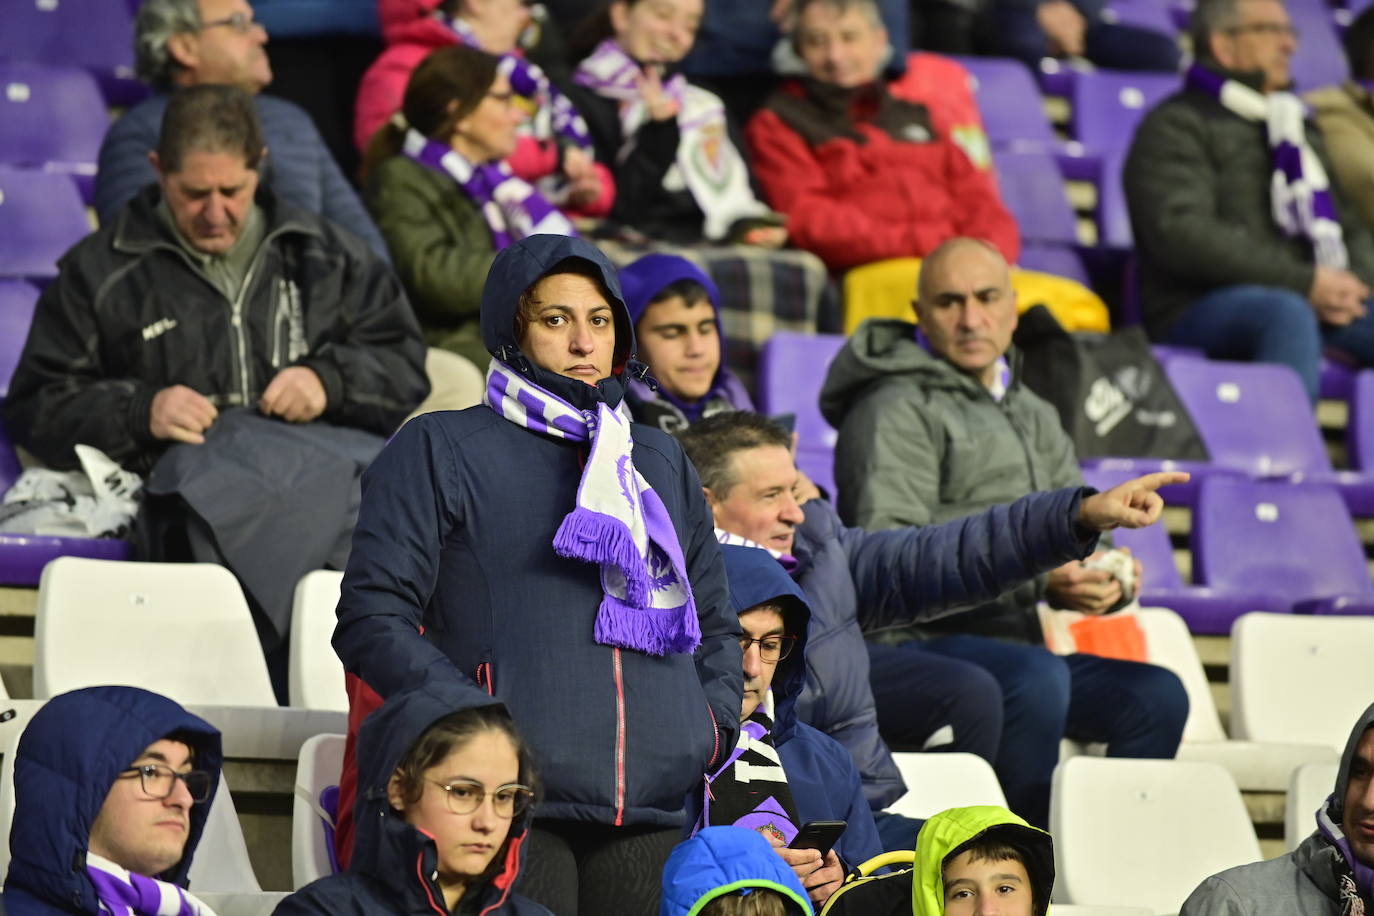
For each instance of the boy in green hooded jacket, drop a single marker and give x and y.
(980, 861)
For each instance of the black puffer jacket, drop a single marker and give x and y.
(130, 314)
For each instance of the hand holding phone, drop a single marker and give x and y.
(818, 835)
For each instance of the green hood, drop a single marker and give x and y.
(948, 830)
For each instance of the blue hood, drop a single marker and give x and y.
(755, 578)
(648, 276)
(68, 758)
(719, 860)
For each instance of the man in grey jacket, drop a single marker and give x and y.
(935, 425)
(1331, 872)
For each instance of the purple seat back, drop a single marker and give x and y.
(1108, 104)
(1290, 539)
(1059, 260)
(41, 216)
(792, 368)
(17, 299)
(1113, 213)
(1253, 417)
(1359, 427)
(1149, 545)
(96, 35)
(1033, 190)
(51, 118)
(1320, 60)
(1010, 103)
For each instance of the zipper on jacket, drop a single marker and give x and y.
(484, 679)
(619, 739)
(236, 321)
(429, 891)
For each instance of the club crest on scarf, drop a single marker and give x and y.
(618, 522)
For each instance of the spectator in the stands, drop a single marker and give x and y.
(1247, 247)
(191, 42)
(1035, 29)
(862, 174)
(1345, 115)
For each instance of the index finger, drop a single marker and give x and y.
(1160, 479)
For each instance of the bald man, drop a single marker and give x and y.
(935, 425)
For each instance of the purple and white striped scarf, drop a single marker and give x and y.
(619, 522)
(554, 115)
(123, 893)
(511, 206)
(1299, 192)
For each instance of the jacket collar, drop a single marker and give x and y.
(138, 230)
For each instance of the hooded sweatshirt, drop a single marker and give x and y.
(1306, 880)
(653, 404)
(453, 573)
(394, 866)
(821, 776)
(724, 860)
(68, 758)
(947, 831)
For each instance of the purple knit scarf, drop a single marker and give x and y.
(512, 208)
(123, 893)
(619, 522)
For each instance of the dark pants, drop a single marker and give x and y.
(1138, 710)
(922, 696)
(1016, 33)
(576, 867)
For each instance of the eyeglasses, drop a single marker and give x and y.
(466, 797)
(239, 22)
(159, 781)
(771, 648)
(1270, 29)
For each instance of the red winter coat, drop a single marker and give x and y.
(863, 176)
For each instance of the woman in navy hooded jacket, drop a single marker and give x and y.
(579, 583)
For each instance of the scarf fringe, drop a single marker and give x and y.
(654, 631)
(597, 538)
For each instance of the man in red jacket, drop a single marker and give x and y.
(862, 174)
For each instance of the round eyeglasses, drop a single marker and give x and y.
(239, 22)
(465, 797)
(771, 648)
(159, 781)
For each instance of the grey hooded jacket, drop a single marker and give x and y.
(1304, 881)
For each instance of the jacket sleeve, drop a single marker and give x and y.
(341, 202)
(123, 169)
(639, 176)
(887, 461)
(61, 394)
(304, 902)
(1350, 145)
(1171, 190)
(913, 574)
(443, 274)
(373, 366)
(1216, 897)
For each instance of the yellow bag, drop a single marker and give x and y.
(885, 289)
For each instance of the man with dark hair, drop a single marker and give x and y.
(112, 788)
(1345, 115)
(1247, 247)
(181, 43)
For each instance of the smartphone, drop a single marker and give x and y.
(818, 835)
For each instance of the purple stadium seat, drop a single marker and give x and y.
(1059, 260)
(17, 299)
(1291, 540)
(51, 118)
(1010, 103)
(1320, 60)
(41, 216)
(96, 35)
(792, 368)
(1113, 215)
(1033, 190)
(1108, 104)
(1359, 427)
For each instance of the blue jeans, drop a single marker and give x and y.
(918, 694)
(1137, 709)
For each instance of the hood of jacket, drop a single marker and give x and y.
(880, 349)
(518, 267)
(755, 578)
(1336, 804)
(385, 847)
(722, 860)
(396, 15)
(947, 831)
(68, 758)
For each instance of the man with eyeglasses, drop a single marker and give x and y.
(192, 42)
(112, 789)
(1247, 248)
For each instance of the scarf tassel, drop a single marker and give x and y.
(657, 631)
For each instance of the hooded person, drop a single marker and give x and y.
(1331, 873)
(90, 826)
(722, 862)
(541, 550)
(960, 852)
(432, 751)
(682, 342)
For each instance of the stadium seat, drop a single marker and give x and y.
(1108, 104)
(96, 35)
(935, 782)
(41, 216)
(263, 903)
(52, 119)
(792, 368)
(1319, 60)
(1308, 790)
(1059, 260)
(17, 300)
(1144, 832)
(315, 675)
(1010, 103)
(180, 629)
(1359, 426)
(1033, 190)
(221, 863)
(1300, 678)
(10, 730)
(315, 808)
(1113, 213)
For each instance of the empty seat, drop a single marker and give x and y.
(1108, 104)
(96, 35)
(17, 300)
(315, 809)
(41, 216)
(1300, 678)
(180, 629)
(53, 119)
(792, 368)
(221, 863)
(1009, 101)
(936, 782)
(1308, 790)
(1033, 190)
(1319, 60)
(1359, 427)
(315, 675)
(1144, 832)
